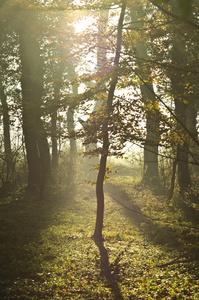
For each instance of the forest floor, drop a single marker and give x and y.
(150, 249)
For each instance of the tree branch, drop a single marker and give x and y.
(169, 13)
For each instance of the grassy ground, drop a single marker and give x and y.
(46, 250)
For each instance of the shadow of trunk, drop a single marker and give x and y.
(107, 272)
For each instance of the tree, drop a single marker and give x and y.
(105, 131)
(62, 70)
(32, 87)
(148, 95)
(8, 98)
(71, 109)
(182, 85)
(172, 51)
(6, 131)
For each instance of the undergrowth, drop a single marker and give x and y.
(46, 250)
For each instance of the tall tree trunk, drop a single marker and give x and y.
(34, 170)
(71, 129)
(55, 104)
(182, 147)
(70, 115)
(192, 127)
(151, 174)
(178, 80)
(170, 195)
(32, 87)
(100, 197)
(105, 148)
(54, 139)
(64, 66)
(6, 131)
(44, 156)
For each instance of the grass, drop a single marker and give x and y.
(46, 249)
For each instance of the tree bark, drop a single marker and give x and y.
(70, 116)
(178, 80)
(151, 173)
(59, 69)
(6, 131)
(192, 127)
(55, 104)
(100, 199)
(170, 196)
(105, 131)
(54, 139)
(32, 88)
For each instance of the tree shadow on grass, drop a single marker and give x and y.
(106, 271)
(159, 232)
(22, 248)
(132, 210)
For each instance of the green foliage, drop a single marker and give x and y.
(46, 250)
(184, 6)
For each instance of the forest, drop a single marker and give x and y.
(99, 149)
